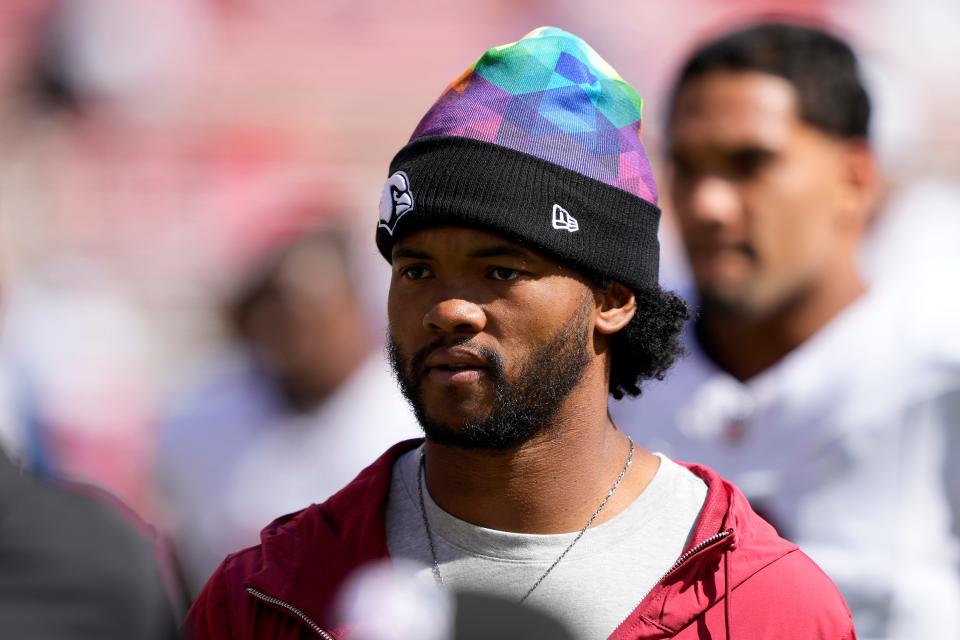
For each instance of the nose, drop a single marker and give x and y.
(708, 200)
(454, 315)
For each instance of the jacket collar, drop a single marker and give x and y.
(306, 556)
(708, 576)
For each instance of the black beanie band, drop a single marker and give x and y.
(584, 223)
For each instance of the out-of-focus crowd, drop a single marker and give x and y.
(193, 312)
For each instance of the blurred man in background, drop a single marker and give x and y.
(295, 408)
(75, 563)
(831, 404)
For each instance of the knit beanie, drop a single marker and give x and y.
(538, 141)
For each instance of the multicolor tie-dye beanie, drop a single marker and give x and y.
(538, 141)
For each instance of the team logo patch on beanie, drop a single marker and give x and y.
(396, 201)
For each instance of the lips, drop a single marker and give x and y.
(718, 244)
(455, 365)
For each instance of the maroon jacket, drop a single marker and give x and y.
(737, 579)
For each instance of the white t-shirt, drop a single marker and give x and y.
(593, 589)
(846, 445)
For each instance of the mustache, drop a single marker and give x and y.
(489, 357)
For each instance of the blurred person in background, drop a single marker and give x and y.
(75, 563)
(520, 222)
(388, 600)
(291, 412)
(833, 405)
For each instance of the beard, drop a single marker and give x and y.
(523, 406)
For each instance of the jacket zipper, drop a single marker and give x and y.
(292, 609)
(715, 538)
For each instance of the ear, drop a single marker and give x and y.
(616, 306)
(862, 183)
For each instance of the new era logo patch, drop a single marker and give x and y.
(396, 201)
(563, 220)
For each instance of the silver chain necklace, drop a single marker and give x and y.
(603, 503)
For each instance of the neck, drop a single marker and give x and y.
(747, 346)
(550, 484)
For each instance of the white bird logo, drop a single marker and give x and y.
(395, 201)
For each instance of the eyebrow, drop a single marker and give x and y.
(412, 254)
(732, 153)
(751, 151)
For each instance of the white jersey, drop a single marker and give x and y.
(846, 445)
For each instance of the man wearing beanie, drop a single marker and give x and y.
(520, 222)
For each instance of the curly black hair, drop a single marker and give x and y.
(649, 344)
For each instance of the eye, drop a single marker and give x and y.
(749, 162)
(503, 274)
(681, 165)
(684, 171)
(415, 272)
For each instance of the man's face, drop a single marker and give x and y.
(487, 337)
(304, 323)
(763, 199)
